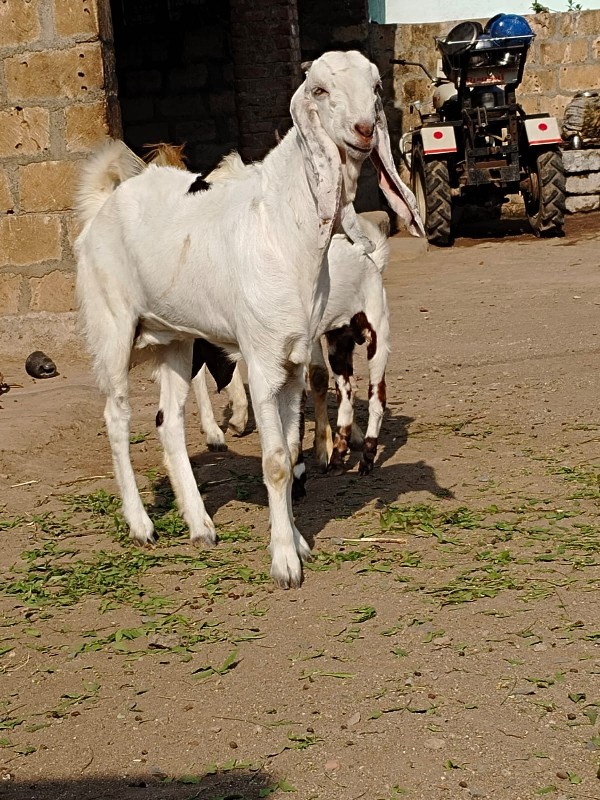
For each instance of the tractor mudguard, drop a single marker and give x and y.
(438, 139)
(542, 130)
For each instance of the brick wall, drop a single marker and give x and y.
(266, 49)
(57, 100)
(344, 26)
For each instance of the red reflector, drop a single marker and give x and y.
(438, 135)
(542, 126)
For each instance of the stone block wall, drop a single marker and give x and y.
(57, 101)
(583, 179)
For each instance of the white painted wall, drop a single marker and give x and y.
(408, 11)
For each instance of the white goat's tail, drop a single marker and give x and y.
(101, 175)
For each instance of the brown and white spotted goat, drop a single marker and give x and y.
(356, 313)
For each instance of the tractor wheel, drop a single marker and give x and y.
(431, 185)
(545, 203)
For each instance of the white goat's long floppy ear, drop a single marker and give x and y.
(397, 193)
(323, 167)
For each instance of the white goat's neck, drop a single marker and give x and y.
(350, 171)
(285, 168)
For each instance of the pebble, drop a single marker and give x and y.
(332, 765)
(434, 743)
(157, 772)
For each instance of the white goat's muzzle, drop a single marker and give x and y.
(360, 149)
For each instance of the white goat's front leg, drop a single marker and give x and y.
(286, 567)
(215, 438)
(239, 402)
(174, 386)
(319, 383)
(291, 398)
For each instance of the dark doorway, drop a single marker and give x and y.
(175, 76)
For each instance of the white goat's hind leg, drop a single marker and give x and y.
(111, 368)
(175, 375)
(377, 338)
(341, 348)
(239, 402)
(215, 438)
(319, 383)
(117, 415)
(286, 568)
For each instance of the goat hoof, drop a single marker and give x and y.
(205, 538)
(238, 428)
(217, 447)
(145, 538)
(287, 574)
(302, 547)
(39, 365)
(365, 468)
(288, 583)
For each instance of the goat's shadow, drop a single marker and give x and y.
(236, 784)
(228, 475)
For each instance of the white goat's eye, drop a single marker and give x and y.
(318, 91)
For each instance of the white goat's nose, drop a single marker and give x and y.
(365, 129)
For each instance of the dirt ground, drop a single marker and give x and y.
(445, 643)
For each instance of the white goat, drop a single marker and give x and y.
(356, 311)
(165, 258)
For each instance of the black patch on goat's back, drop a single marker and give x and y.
(218, 363)
(199, 185)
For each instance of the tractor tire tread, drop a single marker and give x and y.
(439, 203)
(550, 218)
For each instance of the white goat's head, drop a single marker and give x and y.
(343, 90)
(340, 120)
